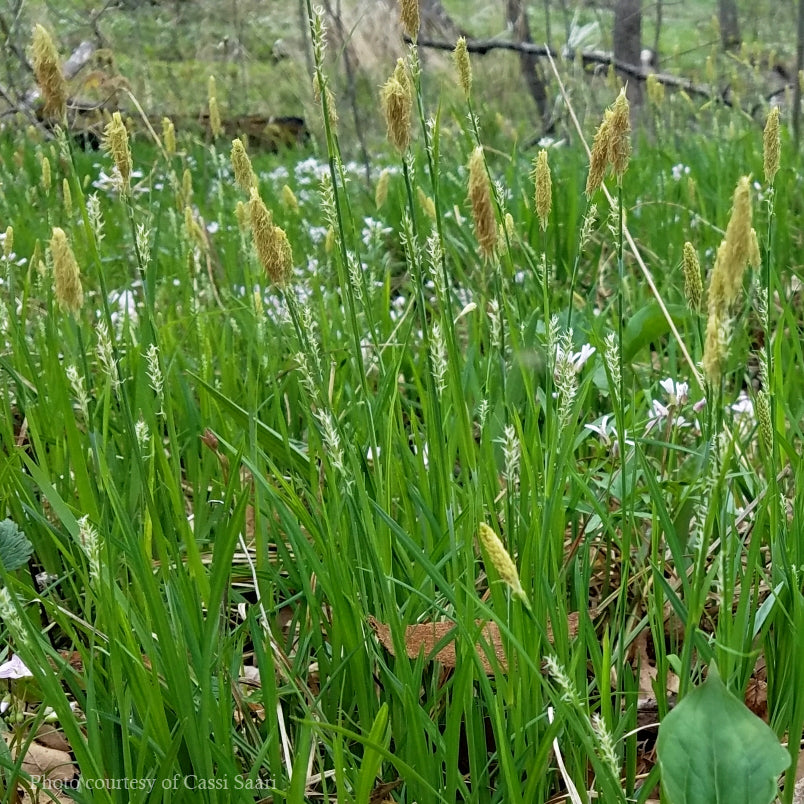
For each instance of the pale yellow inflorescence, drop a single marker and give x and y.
(409, 16)
(66, 276)
(241, 165)
(67, 197)
(46, 175)
(501, 561)
(771, 145)
(115, 142)
(764, 420)
(611, 145)
(482, 207)
(619, 145)
(463, 66)
(655, 89)
(427, 203)
(168, 136)
(693, 284)
(599, 157)
(289, 198)
(48, 73)
(543, 183)
(271, 242)
(8, 243)
(397, 104)
(738, 250)
(381, 191)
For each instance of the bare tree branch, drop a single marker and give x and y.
(588, 57)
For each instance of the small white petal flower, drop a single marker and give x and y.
(677, 392)
(602, 429)
(15, 668)
(743, 406)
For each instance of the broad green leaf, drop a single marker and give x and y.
(15, 549)
(713, 750)
(649, 325)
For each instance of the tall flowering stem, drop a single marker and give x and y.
(430, 137)
(771, 159)
(337, 207)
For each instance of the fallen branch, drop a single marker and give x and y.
(588, 57)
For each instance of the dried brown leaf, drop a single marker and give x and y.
(50, 765)
(51, 737)
(436, 640)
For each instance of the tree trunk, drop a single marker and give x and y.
(517, 19)
(658, 34)
(628, 39)
(436, 23)
(799, 68)
(729, 24)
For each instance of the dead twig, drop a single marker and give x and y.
(587, 57)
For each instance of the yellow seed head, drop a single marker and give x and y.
(168, 136)
(599, 157)
(186, 186)
(241, 165)
(8, 243)
(330, 241)
(734, 252)
(693, 284)
(754, 257)
(36, 258)
(619, 144)
(115, 142)
(66, 275)
(48, 74)
(271, 242)
(68, 197)
(283, 257)
(655, 89)
(397, 103)
(509, 225)
(771, 145)
(501, 561)
(482, 207)
(193, 229)
(544, 188)
(289, 198)
(381, 191)
(764, 420)
(463, 66)
(428, 205)
(715, 345)
(214, 113)
(241, 213)
(46, 177)
(409, 16)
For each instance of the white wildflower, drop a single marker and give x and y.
(677, 392)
